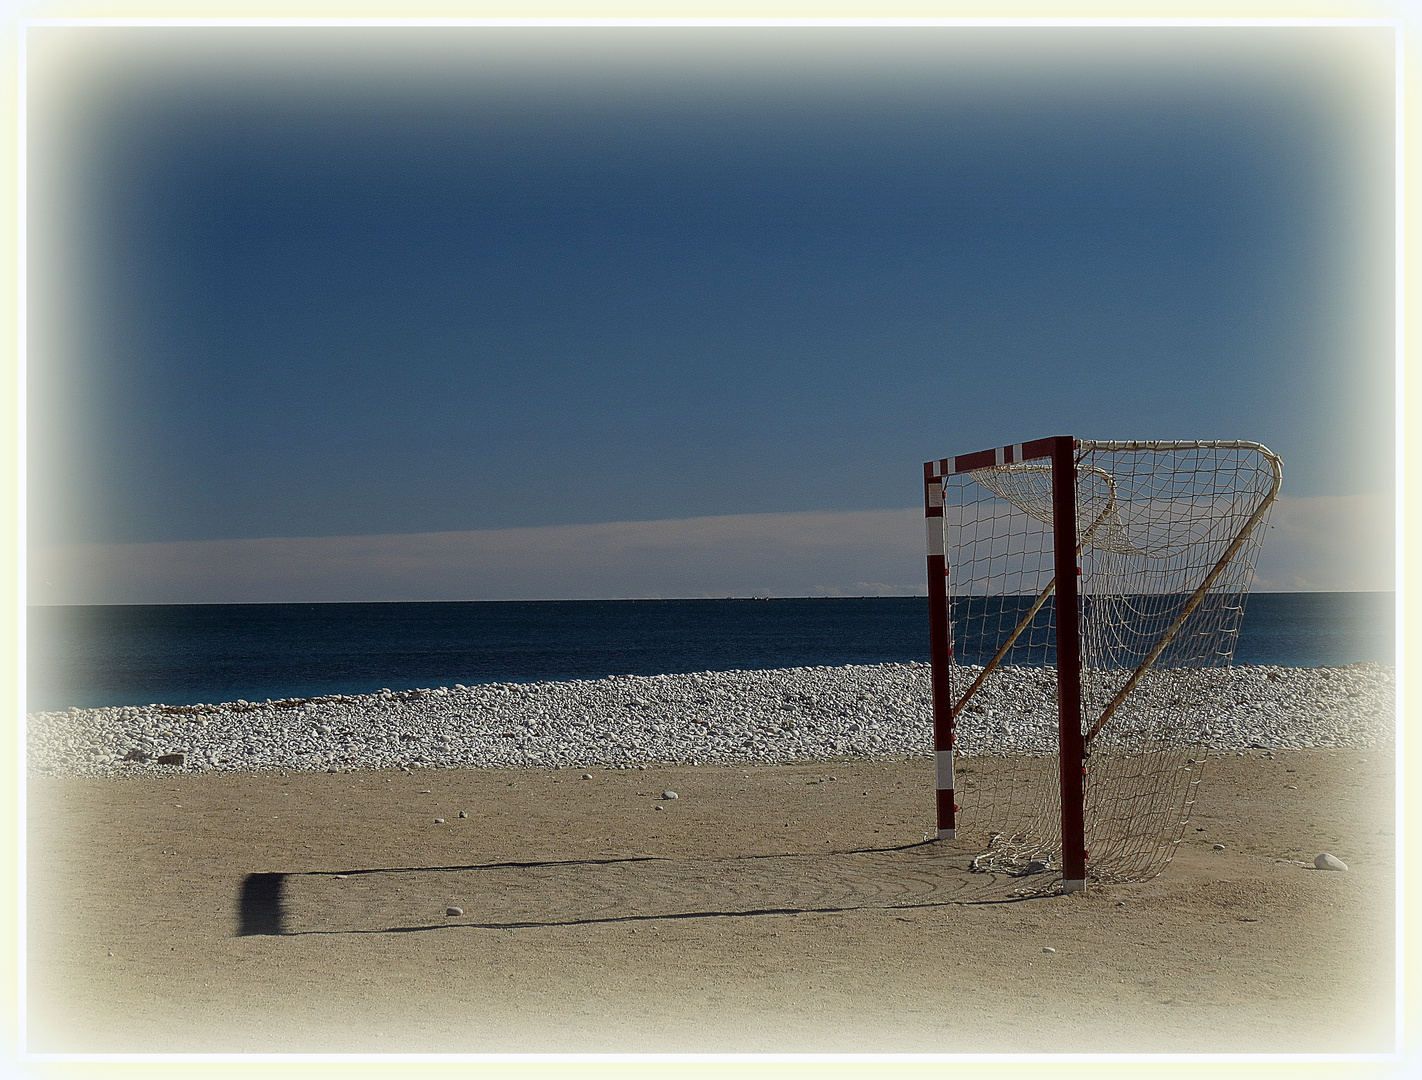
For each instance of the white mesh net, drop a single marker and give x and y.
(1167, 535)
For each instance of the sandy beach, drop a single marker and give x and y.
(785, 908)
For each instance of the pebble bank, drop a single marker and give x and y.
(722, 717)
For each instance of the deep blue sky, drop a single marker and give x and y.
(304, 283)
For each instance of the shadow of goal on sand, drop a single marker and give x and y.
(576, 892)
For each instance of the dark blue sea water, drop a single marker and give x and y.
(179, 654)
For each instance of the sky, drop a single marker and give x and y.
(463, 313)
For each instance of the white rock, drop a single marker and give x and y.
(454, 911)
(670, 795)
(774, 716)
(1329, 862)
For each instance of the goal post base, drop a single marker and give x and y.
(1073, 886)
(947, 834)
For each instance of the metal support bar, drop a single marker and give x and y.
(940, 651)
(1070, 757)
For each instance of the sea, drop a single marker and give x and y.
(190, 653)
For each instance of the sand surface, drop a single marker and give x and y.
(766, 909)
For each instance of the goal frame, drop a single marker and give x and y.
(1061, 452)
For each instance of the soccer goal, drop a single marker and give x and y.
(1074, 588)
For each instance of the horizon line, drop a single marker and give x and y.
(658, 599)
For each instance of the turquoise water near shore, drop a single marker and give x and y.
(179, 654)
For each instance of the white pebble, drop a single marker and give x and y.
(670, 795)
(811, 714)
(1329, 862)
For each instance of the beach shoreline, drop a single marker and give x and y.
(788, 898)
(777, 716)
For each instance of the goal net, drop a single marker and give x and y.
(1075, 588)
